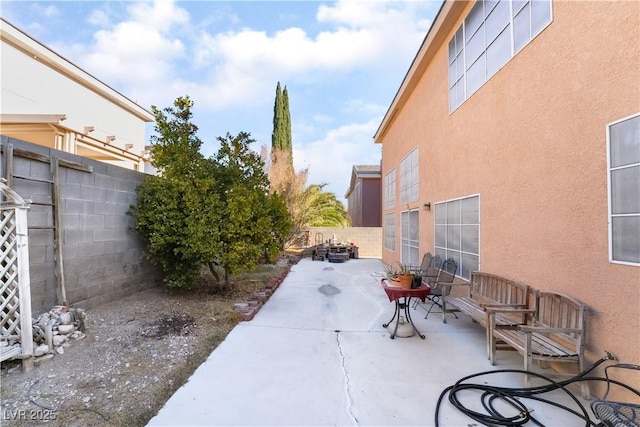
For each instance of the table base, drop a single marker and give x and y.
(402, 305)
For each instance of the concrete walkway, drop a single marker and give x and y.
(317, 355)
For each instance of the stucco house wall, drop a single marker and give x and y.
(38, 84)
(371, 202)
(531, 143)
(364, 196)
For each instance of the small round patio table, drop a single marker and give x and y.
(402, 298)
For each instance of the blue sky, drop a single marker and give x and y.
(342, 63)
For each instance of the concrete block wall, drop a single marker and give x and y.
(102, 257)
(368, 239)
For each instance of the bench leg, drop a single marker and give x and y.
(584, 385)
(491, 344)
(527, 358)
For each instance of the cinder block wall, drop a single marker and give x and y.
(368, 239)
(102, 257)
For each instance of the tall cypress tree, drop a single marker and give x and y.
(286, 117)
(281, 140)
(276, 136)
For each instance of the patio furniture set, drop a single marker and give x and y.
(543, 326)
(334, 252)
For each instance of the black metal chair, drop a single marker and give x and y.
(429, 270)
(425, 264)
(446, 274)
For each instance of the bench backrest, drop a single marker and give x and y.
(490, 288)
(557, 310)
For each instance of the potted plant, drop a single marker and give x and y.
(404, 278)
(390, 272)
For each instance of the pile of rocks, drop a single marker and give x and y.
(55, 330)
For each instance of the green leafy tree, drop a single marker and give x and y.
(175, 148)
(215, 212)
(322, 209)
(255, 222)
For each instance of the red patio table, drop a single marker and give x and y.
(402, 298)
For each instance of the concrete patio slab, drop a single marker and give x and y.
(317, 355)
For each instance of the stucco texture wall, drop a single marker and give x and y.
(532, 143)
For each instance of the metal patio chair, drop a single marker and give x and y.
(446, 274)
(429, 270)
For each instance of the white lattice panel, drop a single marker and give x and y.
(10, 305)
(15, 292)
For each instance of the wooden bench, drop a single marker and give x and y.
(489, 290)
(556, 333)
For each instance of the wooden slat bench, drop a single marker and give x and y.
(555, 335)
(490, 290)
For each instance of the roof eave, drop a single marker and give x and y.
(445, 18)
(30, 46)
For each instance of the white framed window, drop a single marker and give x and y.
(390, 232)
(623, 163)
(457, 233)
(490, 35)
(409, 177)
(390, 189)
(358, 194)
(410, 230)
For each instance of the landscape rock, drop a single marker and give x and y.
(41, 350)
(65, 329)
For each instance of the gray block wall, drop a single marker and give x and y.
(102, 257)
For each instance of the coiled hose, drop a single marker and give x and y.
(492, 394)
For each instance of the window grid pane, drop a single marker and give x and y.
(623, 139)
(489, 26)
(409, 178)
(457, 233)
(410, 250)
(390, 189)
(390, 232)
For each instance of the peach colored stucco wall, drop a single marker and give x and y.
(532, 143)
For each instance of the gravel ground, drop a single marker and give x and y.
(136, 352)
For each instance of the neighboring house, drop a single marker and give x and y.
(49, 101)
(513, 145)
(364, 196)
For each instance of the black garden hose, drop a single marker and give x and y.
(511, 396)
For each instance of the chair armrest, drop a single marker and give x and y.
(546, 329)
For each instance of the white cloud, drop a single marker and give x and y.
(244, 64)
(158, 46)
(99, 18)
(138, 55)
(357, 105)
(49, 11)
(331, 159)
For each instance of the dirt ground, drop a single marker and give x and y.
(136, 353)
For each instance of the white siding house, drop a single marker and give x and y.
(49, 101)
